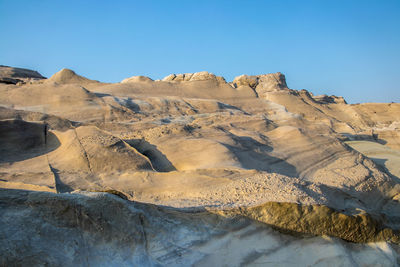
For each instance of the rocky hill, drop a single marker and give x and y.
(194, 170)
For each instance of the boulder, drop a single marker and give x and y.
(246, 80)
(263, 83)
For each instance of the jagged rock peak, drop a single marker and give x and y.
(137, 79)
(197, 76)
(12, 75)
(66, 76)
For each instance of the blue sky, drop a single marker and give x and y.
(347, 48)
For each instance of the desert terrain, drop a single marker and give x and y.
(194, 170)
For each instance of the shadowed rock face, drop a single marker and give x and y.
(10, 75)
(220, 164)
(21, 135)
(21, 140)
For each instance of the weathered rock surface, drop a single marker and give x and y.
(18, 136)
(102, 230)
(198, 76)
(262, 84)
(137, 79)
(221, 162)
(321, 220)
(325, 99)
(10, 75)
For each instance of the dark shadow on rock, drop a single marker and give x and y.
(380, 162)
(255, 155)
(54, 122)
(159, 161)
(60, 186)
(363, 137)
(128, 103)
(102, 94)
(228, 106)
(21, 140)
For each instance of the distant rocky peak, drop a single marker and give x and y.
(263, 83)
(67, 76)
(197, 76)
(134, 79)
(12, 75)
(273, 80)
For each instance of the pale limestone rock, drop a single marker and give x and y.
(194, 145)
(201, 76)
(137, 79)
(271, 83)
(197, 76)
(246, 80)
(325, 99)
(263, 83)
(179, 78)
(169, 78)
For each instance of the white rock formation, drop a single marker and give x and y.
(137, 79)
(218, 166)
(198, 76)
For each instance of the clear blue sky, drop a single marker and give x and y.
(348, 48)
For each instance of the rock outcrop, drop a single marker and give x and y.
(10, 75)
(320, 220)
(197, 76)
(18, 136)
(325, 99)
(221, 165)
(136, 79)
(262, 84)
(101, 229)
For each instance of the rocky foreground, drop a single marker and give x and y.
(194, 170)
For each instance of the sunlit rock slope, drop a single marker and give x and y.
(206, 172)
